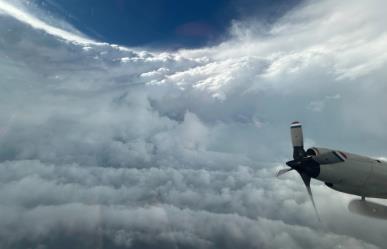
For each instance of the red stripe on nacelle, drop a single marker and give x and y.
(343, 154)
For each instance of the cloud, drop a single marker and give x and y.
(319, 105)
(174, 207)
(9, 9)
(111, 147)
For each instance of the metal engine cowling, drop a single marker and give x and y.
(326, 156)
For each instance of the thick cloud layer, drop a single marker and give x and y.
(108, 147)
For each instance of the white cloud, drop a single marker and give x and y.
(19, 14)
(179, 148)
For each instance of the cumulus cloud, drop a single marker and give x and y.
(111, 147)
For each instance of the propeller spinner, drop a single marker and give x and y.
(304, 164)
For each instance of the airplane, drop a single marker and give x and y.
(342, 171)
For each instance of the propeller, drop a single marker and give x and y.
(283, 171)
(304, 164)
(306, 180)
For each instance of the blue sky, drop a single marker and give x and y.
(163, 23)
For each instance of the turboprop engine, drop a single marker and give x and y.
(326, 156)
(307, 163)
(342, 171)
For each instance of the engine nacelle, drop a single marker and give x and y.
(326, 156)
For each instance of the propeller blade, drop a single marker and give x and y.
(297, 140)
(306, 180)
(283, 171)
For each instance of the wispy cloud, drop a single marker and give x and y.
(25, 17)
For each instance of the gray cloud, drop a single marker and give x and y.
(177, 207)
(110, 147)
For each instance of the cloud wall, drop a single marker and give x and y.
(110, 147)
